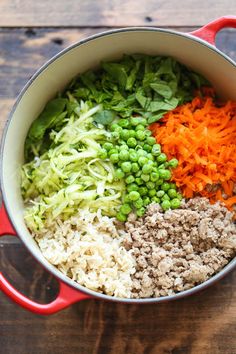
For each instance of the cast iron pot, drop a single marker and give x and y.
(196, 50)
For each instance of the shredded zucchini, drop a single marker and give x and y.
(70, 175)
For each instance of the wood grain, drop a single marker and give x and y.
(112, 12)
(23, 51)
(201, 324)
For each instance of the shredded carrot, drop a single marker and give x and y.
(202, 136)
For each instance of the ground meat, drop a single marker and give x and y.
(178, 249)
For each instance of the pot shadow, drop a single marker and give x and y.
(226, 42)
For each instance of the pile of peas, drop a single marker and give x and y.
(139, 161)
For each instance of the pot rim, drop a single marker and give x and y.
(57, 274)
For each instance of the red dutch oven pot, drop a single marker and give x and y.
(196, 50)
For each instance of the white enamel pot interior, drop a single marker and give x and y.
(58, 72)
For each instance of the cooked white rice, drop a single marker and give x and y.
(88, 248)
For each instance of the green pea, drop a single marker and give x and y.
(143, 191)
(134, 121)
(150, 157)
(155, 169)
(146, 201)
(135, 167)
(147, 168)
(154, 176)
(162, 166)
(141, 152)
(165, 197)
(108, 146)
(140, 135)
(138, 203)
(165, 205)
(152, 192)
(142, 160)
(161, 172)
(119, 174)
(124, 123)
(175, 203)
(140, 212)
(124, 134)
(103, 154)
(167, 175)
(145, 177)
(137, 120)
(164, 174)
(140, 127)
(173, 163)
(139, 181)
(138, 174)
(148, 132)
(114, 127)
(165, 186)
(124, 147)
(150, 185)
(118, 129)
(112, 151)
(125, 209)
(161, 158)
(152, 162)
(131, 142)
(126, 199)
(172, 193)
(126, 166)
(133, 156)
(151, 140)
(129, 179)
(159, 182)
(156, 200)
(134, 195)
(160, 194)
(124, 155)
(115, 135)
(143, 121)
(132, 187)
(179, 196)
(156, 150)
(121, 217)
(147, 147)
(114, 158)
(132, 133)
(173, 185)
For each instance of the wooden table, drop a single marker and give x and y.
(30, 33)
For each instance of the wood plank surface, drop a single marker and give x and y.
(23, 51)
(112, 12)
(201, 324)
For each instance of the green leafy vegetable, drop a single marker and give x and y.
(162, 89)
(117, 72)
(51, 116)
(139, 84)
(104, 117)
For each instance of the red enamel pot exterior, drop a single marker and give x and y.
(70, 292)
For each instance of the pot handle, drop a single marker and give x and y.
(66, 296)
(209, 31)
